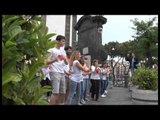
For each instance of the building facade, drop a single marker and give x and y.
(70, 32)
(62, 25)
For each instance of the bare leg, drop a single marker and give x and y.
(61, 98)
(54, 99)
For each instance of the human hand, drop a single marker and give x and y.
(97, 70)
(70, 72)
(61, 57)
(87, 70)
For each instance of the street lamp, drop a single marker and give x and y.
(112, 52)
(112, 56)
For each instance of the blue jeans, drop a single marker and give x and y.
(74, 87)
(103, 86)
(85, 87)
(82, 89)
(107, 83)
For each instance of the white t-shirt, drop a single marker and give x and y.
(94, 74)
(57, 66)
(77, 73)
(104, 73)
(66, 68)
(108, 71)
(46, 73)
(85, 76)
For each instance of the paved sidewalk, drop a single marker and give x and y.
(115, 96)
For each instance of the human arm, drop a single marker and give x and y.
(82, 67)
(50, 60)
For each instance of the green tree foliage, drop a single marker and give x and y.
(146, 38)
(144, 43)
(24, 48)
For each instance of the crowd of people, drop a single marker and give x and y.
(71, 77)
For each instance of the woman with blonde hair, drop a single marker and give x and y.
(75, 77)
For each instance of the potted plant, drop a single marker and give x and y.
(145, 81)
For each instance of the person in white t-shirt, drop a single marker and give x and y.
(85, 81)
(57, 75)
(46, 80)
(104, 80)
(95, 80)
(75, 77)
(67, 71)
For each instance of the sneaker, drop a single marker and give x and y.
(82, 101)
(61, 104)
(48, 100)
(103, 95)
(106, 91)
(79, 104)
(86, 99)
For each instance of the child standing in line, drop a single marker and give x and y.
(46, 80)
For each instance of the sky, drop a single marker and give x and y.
(56, 24)
(117, 28)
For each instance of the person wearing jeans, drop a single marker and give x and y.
(75, 77)
(75, 87)
(84, 82)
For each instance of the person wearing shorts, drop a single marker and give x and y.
(57, 59)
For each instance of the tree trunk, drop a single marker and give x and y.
(149, 61)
